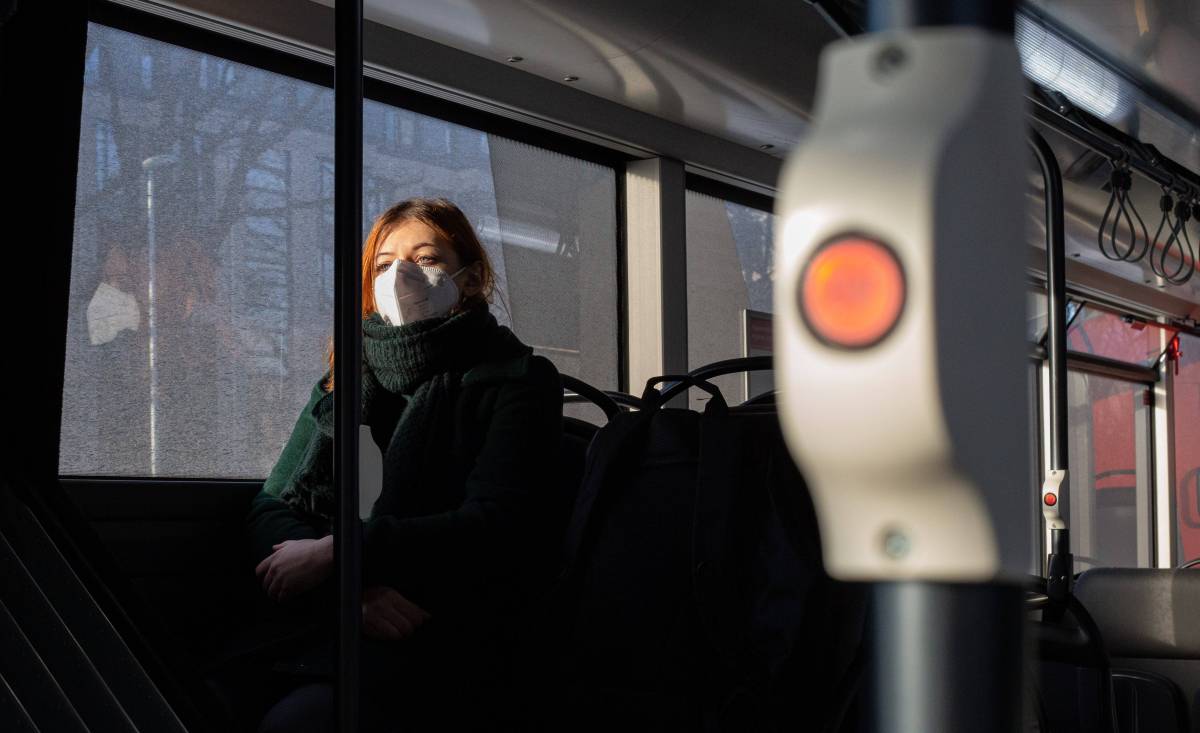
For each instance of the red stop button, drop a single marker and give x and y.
(1050, 499)
(852, 292)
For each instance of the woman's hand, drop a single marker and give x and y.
(296, 566)
(388, 615)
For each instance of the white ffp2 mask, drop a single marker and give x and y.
(110, 312)
(407, 292)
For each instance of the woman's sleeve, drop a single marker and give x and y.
(438, 558)
(270, 520)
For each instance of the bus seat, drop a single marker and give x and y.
(577, 436)
(1148, 619)
(694, 594)
(1072, 680)
(1144, 612)
(1148, 702)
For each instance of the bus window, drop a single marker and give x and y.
(1035, 317)
(202, 276)
(1187, 449)
(196, 320)
(547, 220)
(1109, 503)
(730, 276)
(1113, 336)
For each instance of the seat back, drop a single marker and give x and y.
(1072, 683)
(1148, 702)
(1148, 619)
(1144, 612)
(696, 591)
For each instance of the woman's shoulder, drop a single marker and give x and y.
(315, 396)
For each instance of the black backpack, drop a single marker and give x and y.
(693, 595)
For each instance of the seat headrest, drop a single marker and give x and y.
(1143, 612)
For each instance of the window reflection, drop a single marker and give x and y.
(241, 231)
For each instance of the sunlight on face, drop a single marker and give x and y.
(417, 242)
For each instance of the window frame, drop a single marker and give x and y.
(721, 190)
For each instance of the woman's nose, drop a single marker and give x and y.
(411, 271)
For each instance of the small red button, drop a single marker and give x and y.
(1050, 499)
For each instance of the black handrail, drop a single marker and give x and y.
(1056, 294)
(626, 400)
(718, 369)
(1059, 564)
(1056, 112)
(655, 398)
(347, 217)
(770, 397)
(591, 394)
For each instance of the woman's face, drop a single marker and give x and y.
(417, 242)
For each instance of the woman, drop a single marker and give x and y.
(468, 422)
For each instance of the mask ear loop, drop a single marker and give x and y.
(458, 307)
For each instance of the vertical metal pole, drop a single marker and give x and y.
(1059, 566)
(947, 656)
(348, 97)
(1056, 286)
(150, 165)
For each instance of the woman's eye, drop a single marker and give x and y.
(426, 260)
(382, 266)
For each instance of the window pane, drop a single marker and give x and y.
(1110, 479)
(202, 278)
(1187, 449)
(1108, 334)
(730, 274)
(1035, 316)
(548, 222)
(194, 337)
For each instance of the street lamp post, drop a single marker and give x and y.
(151, 165)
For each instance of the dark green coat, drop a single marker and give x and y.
(491, 518)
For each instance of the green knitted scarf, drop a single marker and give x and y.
(410, 376)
